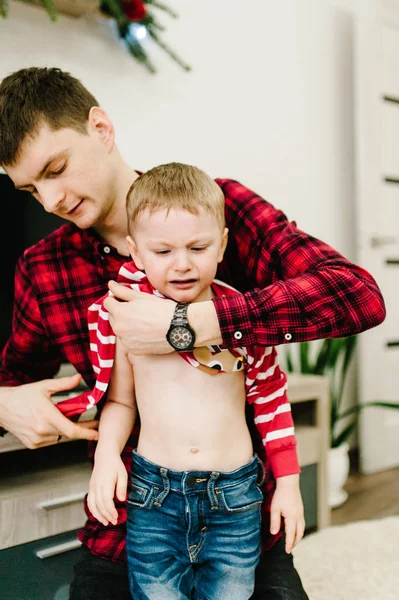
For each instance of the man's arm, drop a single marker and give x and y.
(302, 289)
(28, 362)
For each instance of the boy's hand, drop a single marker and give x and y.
(109, 478)
(287, 503)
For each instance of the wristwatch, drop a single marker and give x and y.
(180, 335)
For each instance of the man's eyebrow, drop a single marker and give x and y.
(42, 171)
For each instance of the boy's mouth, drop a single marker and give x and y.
(183, 283)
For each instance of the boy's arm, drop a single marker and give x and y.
(120, 411)
(266, 391)
(109, 477)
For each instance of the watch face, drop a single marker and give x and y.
(181, 338)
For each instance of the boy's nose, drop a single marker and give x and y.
(183, 262)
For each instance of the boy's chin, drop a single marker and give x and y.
(189, 295)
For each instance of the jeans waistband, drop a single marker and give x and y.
(194, 481)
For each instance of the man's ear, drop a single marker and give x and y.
(134, 253)
(100, 124)
(224, 244)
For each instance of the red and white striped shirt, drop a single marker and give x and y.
(265, 383)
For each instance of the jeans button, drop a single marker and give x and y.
(191, 480)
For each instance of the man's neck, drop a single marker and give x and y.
(114, 229)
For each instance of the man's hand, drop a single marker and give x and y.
(141, 320)
(109, 478)
(287, 503)
(28, 412)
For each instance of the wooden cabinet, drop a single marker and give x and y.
(41, 504)
(309, 398)
(42, 492)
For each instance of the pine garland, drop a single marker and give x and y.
(128, 15)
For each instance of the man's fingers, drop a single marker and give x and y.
(48, 440)
(82, 432)
(88, 424)
(63, 425)
(121, 292)
(61, 383)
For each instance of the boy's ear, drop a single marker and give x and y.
(100, 124)
(134, 253)
(224, 244)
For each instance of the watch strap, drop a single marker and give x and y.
(180, 314)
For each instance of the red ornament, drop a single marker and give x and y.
(134, 10)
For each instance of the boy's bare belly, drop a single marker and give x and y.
(190, 420)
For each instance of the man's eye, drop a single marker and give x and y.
(58, 171)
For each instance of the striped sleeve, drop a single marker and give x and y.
(102, 351)
(266, 387)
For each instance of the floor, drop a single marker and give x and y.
(370, 497)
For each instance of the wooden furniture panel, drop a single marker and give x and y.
(41, 504)
(311, 393)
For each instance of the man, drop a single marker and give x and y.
(57, 143)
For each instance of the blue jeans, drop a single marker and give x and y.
(193, 534)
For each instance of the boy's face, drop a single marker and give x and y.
(179, 252)
(68, 172)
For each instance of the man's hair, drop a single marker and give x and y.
(32, 97)
(174, 185)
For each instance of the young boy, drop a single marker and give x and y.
(194, 509)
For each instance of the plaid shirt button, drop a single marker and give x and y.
(288, 337)
(107, 249)
(238, 335)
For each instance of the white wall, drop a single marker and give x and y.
(268, 102)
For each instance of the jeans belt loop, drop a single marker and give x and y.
(211, 490)
(166, 487)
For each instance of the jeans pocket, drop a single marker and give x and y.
(241, 497)
(141, 493)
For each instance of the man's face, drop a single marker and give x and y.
(68, 172)
(179, 252)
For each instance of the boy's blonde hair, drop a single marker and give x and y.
(175, 185)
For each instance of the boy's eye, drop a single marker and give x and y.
(162, 252)
(198, 249)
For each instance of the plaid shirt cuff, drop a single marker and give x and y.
(234, 321)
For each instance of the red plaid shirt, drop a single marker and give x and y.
(302, 289)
